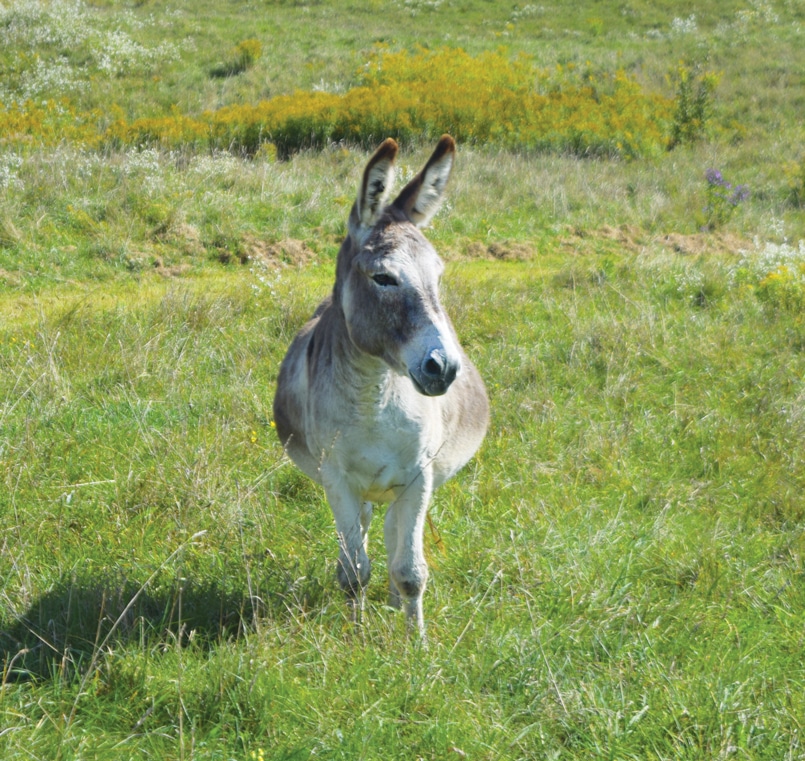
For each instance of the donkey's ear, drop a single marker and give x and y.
(377, 180)
(420, 199)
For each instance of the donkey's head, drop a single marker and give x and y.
(387, 278)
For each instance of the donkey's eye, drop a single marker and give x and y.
(384, 280)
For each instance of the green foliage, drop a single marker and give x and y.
(776, 274)
(795, 176)
(722, 199)
(784, 288)
(243, 57)
(693, 104)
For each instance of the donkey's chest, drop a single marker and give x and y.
(382, 448)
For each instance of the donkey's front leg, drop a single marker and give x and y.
(403, 531)
(352, 517)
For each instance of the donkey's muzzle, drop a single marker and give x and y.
(436, 372)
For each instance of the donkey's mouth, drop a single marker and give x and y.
(431, 388)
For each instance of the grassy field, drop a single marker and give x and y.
(620, 571)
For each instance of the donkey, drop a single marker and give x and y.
(376, 400)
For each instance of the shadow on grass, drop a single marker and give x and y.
(61, 631)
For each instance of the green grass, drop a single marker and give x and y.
(623, 560)
(619, 571)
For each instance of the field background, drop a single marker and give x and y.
(618, 574)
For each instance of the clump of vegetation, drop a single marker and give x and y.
(776, 273)
(795, 176)
(722, 199)
(48, 123)
(243, 57)
(693, 104)
(487, 99)
(784, 288)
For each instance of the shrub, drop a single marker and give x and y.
(693, 103)
(48, 123)
(777, 275)
(722, 199)
(784, 288)
(795, 175)
(490, 99)
(493, 99)
(244, 55)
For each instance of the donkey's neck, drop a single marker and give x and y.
(356, 373)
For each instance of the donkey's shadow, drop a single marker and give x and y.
(62, 630)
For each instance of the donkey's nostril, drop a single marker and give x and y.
(433, 368)
(435, 364)
(435, 373)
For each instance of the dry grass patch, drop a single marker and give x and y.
(506, 251)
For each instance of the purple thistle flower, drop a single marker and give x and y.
(740, 194)
(722, 198)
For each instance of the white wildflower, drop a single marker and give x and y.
(766, 258)
(684, 25)
(10, 165)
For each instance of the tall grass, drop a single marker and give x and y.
(70, 215)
